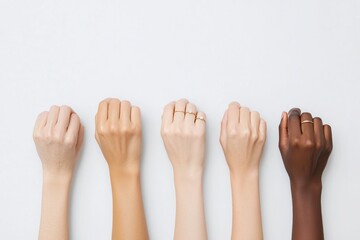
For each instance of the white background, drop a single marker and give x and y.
(268, 55)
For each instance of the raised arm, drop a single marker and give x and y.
(183, 133)
(305, 145)
(58, 136)
(242, 138)
(118, 133)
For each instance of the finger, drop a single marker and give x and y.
(168, 114)
(328, 138)
(125, 112)
(233, 114)
(200, 121)
(64, 117)
(40, 122)
(262, 130)
(80, 138)
(254, 121)
(114, 110)
(102, 114)
(53, 116)
(135, 116)
(190, 113)
(283, 131)
(73, 129)
(179, 113)
(294, 122)
(319, 133)
(307, 125)
(324, 156)
(244, 118)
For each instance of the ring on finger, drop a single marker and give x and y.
(307, 121)
(191, 112)
(201, 118)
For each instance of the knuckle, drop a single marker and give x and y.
(319, 145)
(309, 144)
(101, 130)
(295, 142)
(254, 136)
(232, 132)
(69, 141)
(245, 133)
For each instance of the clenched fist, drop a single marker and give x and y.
(58, 136)
(243, 134)
(118, 133)
(183, 133)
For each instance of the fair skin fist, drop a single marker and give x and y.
(183, 136)
(58, 136)
(183, 133)
(242, 138)
(243, 134)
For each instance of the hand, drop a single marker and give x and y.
(243, 134)
(118, 133)
(183, 133)
(242, 138)
(58, 136)
(305, 145)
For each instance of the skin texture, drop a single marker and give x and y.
(305, 149)
(184, 139)
(58, 136)
(242, 137)
(118, 133)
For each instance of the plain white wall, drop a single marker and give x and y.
(268, 55)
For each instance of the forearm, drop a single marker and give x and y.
(307, 219)
(54, 209)
(190, 215)
(128, 211)
(246, 206)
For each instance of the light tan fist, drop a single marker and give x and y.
(118, 133)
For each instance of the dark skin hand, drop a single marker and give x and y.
(305, 145)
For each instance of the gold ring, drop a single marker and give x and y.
(201, 118)
(190, 112)
(176, 111)
(307, 121)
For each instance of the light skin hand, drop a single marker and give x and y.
(183, 133)
(242, 137)
(305, 145)
(58, 136)
(118, 133)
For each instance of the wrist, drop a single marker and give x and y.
(311, 188)
(244, 176)
(63, 179)
(118, 175)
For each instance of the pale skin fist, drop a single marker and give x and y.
(305, 147)
(118, 133)
(58, 136)
(183, 133)
(242, 137)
